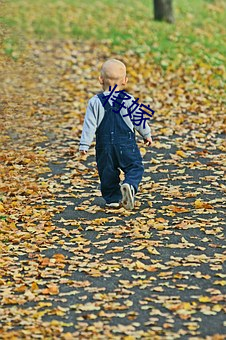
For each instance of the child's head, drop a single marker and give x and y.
(113, 72)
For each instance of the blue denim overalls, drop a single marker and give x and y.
(116, 149)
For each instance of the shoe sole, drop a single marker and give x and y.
(113, 206)
(127, 197)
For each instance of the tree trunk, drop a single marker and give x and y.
(163, 10)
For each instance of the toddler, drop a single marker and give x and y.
(116, 146)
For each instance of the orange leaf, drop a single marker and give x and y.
(53, 289)
(202, 205)
(59, 257)
(34, 286)
(20, 289)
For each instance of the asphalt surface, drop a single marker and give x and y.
(156, 272)
(181, 296)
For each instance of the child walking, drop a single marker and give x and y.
(116, 146)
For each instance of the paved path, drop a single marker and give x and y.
(90, 273)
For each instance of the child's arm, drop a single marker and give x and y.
(138, 122)
(89, 128)
(144, 130)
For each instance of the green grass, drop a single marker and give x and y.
(198, 31)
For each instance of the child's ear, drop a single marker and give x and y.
(101, 80)
(125, 81)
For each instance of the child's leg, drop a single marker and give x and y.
(107, 166)
(131, 164)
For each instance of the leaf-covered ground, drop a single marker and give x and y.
(69, 268)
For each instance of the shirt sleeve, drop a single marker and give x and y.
(89, 127)
(143, 129)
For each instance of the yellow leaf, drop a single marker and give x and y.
(38, 315)
(181, 153)
(202, 205)
(115, 250)
(217, 308)
(140, 265)
(222, 282)
(1, 208)
(44, 304)
(204, 299)
(12, 225)
(143, 151)
(158, 289)
(99, 221)
(187, 305)
(193, 326)
(67, 336)
(153, 251)
(155, 161)
(160, 227)
(78, 239)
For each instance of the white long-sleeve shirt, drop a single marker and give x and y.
(95, 113)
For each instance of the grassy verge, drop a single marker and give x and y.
(197, 33)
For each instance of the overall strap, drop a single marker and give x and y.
(107, 106)
(112, 129)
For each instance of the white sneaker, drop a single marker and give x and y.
(128, 194)
(112, 205)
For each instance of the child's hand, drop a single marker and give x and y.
(83, 152)
(148, 141)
